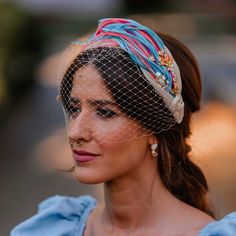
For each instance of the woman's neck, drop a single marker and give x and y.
(141, 205)
(136, 202)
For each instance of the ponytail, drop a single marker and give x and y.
(183, 178)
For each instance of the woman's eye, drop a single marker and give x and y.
(73, 110)
(106, 113)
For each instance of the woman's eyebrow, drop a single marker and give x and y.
(74, 100)
(101, 102)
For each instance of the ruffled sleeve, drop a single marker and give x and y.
(224, 227)
(58, 215)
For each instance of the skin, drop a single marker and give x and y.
(136, 201)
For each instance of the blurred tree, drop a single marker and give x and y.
(19, 52)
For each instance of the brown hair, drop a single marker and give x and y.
(180, 175)
(137, 98)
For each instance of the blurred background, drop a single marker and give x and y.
(32, 132)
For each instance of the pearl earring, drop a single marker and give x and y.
(154, 147)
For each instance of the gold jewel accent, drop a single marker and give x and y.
(165, 59)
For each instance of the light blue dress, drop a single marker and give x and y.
(67, 216)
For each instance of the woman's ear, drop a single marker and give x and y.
(152, 139)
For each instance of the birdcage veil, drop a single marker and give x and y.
(133, 68)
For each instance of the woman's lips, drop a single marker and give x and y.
(84, 156)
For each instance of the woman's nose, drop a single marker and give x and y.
(79, 128)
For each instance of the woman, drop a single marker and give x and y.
(128, 97)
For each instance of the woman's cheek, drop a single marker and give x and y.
(117, 132)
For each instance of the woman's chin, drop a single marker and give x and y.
(87, 178)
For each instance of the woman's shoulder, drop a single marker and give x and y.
(223, 227)
(58, 215)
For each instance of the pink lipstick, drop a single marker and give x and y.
(84, 156)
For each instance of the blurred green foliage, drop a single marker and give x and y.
(19, 52)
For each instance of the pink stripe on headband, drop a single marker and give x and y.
(127, 38)
(150, 39)
(107, 22)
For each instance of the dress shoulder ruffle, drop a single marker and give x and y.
(62, 215)
(223, 227)
(57, 215)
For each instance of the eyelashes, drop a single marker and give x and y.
(72, 111)
(105, 113)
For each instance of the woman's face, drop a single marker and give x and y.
(105, 143)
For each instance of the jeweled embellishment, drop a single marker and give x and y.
(167, 61)
(163, 82)
(175, 90)
(152, 58)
